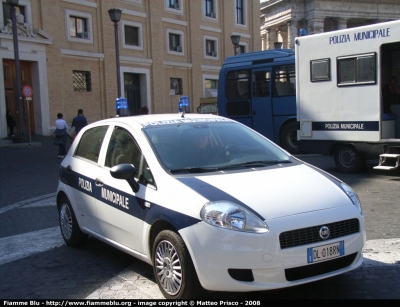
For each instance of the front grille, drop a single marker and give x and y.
(309, 235)
(319, 268)
(241, 274)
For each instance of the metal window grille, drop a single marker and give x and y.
(82, 81)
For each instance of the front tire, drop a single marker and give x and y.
(173, 267)
(348, 159)
(70, 230)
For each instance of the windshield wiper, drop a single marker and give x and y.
(256, 163)
(194, 170)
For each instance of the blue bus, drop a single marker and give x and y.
(258, 89)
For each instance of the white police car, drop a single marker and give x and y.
(210, 203)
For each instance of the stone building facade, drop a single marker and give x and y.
(281, 20)
(67, 55)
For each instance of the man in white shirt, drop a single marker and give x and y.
(61, 135)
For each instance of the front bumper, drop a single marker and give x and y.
(217, 252)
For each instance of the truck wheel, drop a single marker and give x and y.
(173, 267)
(289, 137)
(348, 159)
(70, 230)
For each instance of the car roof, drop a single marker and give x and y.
(152, 119)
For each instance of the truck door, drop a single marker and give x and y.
(261, 102)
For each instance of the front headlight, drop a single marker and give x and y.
(353, 196)
(226, 214)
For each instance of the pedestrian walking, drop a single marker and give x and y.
(61, 135)
(79, 121)
(10, 123)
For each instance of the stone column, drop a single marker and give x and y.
(315, 25)
(342, 23)
(272, 38)
(264, 40)
(292, 33)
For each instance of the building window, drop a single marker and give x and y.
(209, 8)
(131, 36)
(242, 49)
(211, 48)
(210, 86)
(356, 70)
(79, 26)
(240, 12)
(175, 42)
(7, 12)
(82, 81)
(174, 6)
(210, 44)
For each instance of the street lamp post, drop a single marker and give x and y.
(12, 4)
(115, 15)
(235, 41)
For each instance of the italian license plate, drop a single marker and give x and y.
(325, 252)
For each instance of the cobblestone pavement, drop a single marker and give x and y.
(377, 278)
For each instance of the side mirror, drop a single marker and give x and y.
(126, 172)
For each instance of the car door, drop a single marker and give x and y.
(79, 175)
(120, 210)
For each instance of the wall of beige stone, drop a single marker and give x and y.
(154, 64)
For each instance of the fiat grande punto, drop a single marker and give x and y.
(209, 203)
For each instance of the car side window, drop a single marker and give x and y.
(90, 143)
(123, 148)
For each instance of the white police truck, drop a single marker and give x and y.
(342, 109)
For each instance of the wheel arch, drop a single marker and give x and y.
(156, 228)
(59, 196)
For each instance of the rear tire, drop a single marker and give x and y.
(348, 159)
(70, 230)
(289, 137)
(173, 267)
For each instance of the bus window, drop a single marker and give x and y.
(285, 83)
(261, 82)
(237, 85)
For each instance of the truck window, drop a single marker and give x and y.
(237, 84)
(320, 70)
(285, 83)
(261, 83)
(356, 69)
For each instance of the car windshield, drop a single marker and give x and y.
(205, 146)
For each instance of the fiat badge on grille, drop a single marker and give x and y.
(324, 232)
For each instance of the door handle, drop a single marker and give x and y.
(99, 182)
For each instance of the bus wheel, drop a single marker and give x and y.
(289, 137)
(348, 159)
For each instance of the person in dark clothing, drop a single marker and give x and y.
(390, 94)
(79, 121)
(144, 110)
(10, 122)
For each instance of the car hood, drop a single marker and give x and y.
(273, 192)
